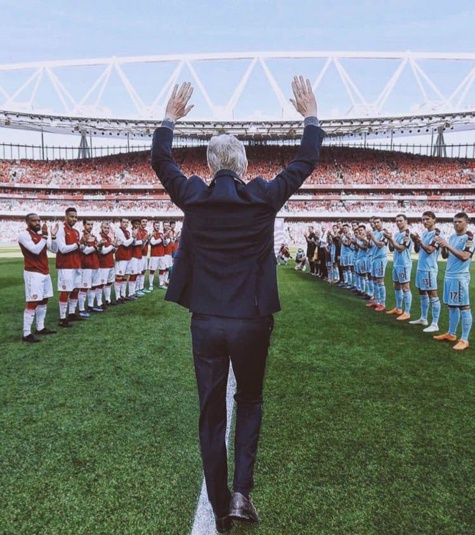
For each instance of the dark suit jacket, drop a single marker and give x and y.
(225, 265)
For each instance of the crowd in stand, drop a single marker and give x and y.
(342, 207)
(115, 207)
(338, 165)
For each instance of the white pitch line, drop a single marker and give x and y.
(204, 518)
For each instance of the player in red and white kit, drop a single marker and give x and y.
(106, 267)
(157, 255)
(68, 265)
(134, 267)
(145, 247)
(124, 239)
(168, 239)
(89, 269)
(38, 284)
(175, 239)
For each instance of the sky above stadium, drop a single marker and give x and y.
(36, 30)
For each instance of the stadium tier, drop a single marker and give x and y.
(349, 183)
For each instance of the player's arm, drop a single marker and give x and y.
(462, 255)
(52, 243)
(25, 239)
(107, 250)
(120, 236)
(155, 241)
(379, 243)
(61, 242)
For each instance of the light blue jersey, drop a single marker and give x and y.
(457, 274)
(455, 266)
(402, 259)
(380, 252)
(428, 261)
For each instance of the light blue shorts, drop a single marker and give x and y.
(402, 274)
(379, 267)
(426, 280)
(457, 291)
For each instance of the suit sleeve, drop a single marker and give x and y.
(165, 167)
(300, 168)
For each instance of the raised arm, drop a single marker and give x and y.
(292, 177)
(163, 163)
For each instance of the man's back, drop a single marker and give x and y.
(225, 265)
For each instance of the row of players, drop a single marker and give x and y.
(355, 257)
(89, 265)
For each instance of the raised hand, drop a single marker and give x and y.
(177, 103)
(305, 102)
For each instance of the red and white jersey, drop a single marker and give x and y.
(34, 246)
(125, 239)
(145, 242)
(69, 254)
(106, 254)
(176, 241)
(89, 254)
(157, 248)
(138, 243)
(168, 242)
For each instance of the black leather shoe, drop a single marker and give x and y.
(223, 524)
(75, 317)
(241, 508)
(64, 323)
(45, 330)
(31, 339)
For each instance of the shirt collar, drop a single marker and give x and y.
(228, 173)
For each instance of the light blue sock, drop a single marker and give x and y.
(364, 283)
(454, 317)
(407, 301)
(424, 306)
(376, 293)
(466, 315)
(435, 302)
(398, 294)
(370, 287)
(382, 293)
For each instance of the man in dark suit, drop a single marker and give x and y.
(225, 274)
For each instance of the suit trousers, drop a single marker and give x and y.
(217, 341)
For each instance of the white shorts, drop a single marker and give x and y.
(121, 267)
(69, 279)
(37, 286)
(96, 277)
(86, 278)
(157, 262)
(143, 265)
(168, 261)
(133, 268)
(106, 275)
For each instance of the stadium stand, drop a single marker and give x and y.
(349, 183)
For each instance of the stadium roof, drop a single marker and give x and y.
(360, 94)
(369, 127)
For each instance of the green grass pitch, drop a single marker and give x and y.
(368, 425)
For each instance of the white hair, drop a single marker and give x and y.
(227, 152)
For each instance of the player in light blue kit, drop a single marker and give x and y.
(459, 251)
(401, 244)
(426, 274)
(380, 261)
